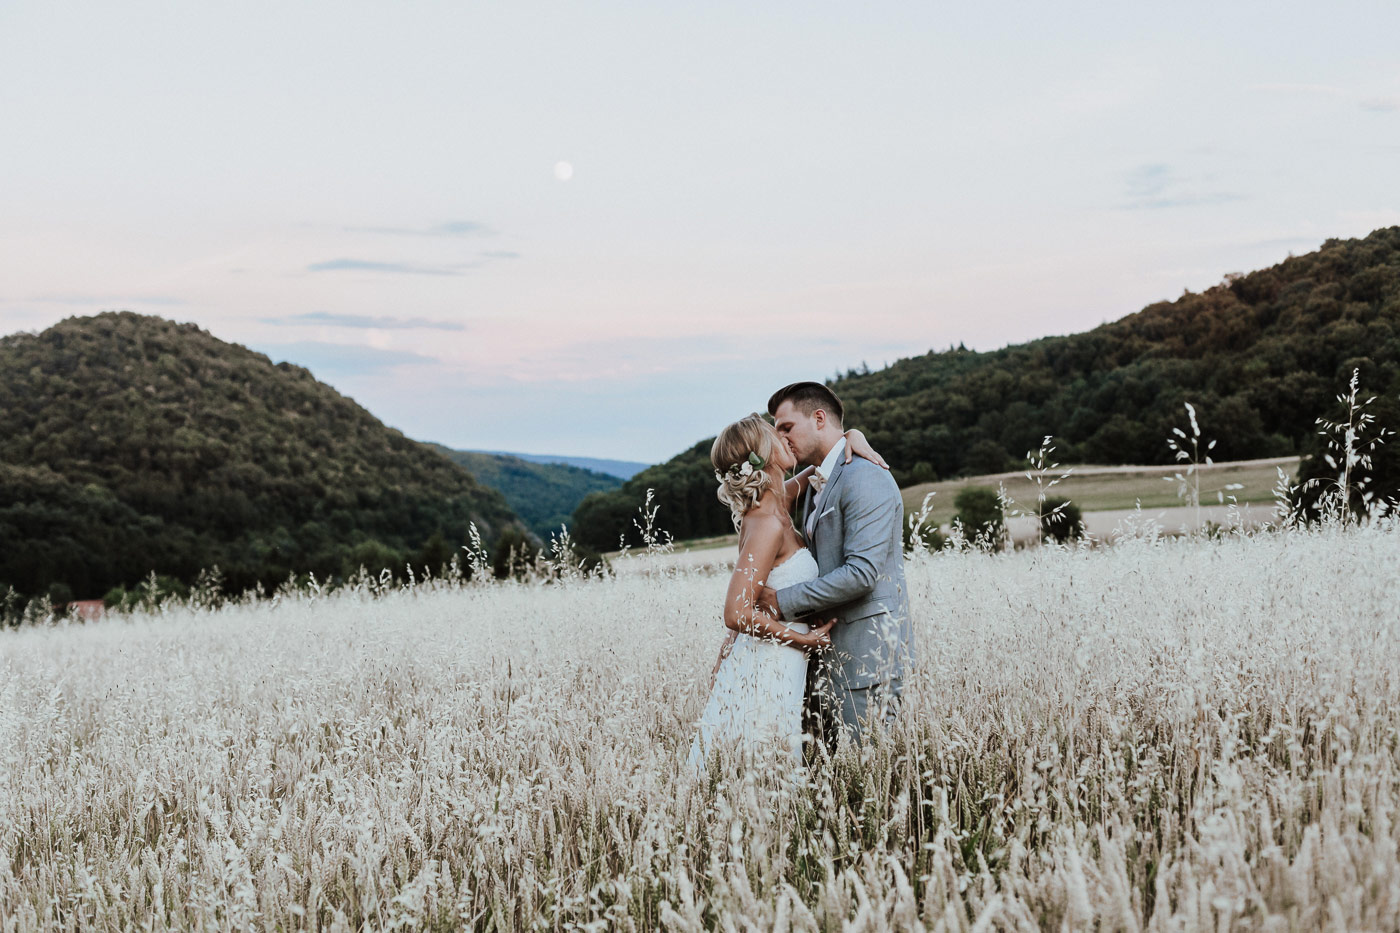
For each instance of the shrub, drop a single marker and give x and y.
(927, 530)
(11, 605)
(514, 554)
(1061, 520)
(119, 597)
(60, 594)
(149, 594)
(979, 511)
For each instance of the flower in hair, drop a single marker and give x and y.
(743, 469)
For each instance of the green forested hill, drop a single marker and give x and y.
(1261, 356)
(544, 495)
(685, 495)
(131, 443)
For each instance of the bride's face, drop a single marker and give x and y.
(782, 456)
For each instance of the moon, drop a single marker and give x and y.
(563, 171)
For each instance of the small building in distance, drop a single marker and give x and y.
(87, 609)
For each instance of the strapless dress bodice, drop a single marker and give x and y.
(799, 568)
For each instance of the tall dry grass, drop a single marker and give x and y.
(1167, 734)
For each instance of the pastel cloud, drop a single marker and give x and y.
(329, 360)
(453, 228)
(1156, 186)
(401, 268)
(111, 300)
(331, 319)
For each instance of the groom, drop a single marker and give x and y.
(852, 516)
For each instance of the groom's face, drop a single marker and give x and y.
(800, 432)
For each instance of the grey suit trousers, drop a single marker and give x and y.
(830, 712)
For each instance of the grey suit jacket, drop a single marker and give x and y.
(858, 541)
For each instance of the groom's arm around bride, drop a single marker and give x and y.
(864, 517)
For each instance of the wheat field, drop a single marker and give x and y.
(1169, 734)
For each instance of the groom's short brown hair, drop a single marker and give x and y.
(807, 397)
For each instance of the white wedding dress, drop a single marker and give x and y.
(756, 701)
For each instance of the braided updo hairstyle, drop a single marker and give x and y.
(740, 454)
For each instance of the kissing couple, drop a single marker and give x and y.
(817, 608)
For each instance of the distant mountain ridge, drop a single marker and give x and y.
(131, 443)
(1260, 356)
(622, 469)
(544, 495)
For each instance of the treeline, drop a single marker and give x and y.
(130, 444)
(1261, 356)
(515, 555)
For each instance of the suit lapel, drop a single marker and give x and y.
(828, 492)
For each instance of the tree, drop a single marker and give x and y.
(922, 472)
(434, 555)
(374, 557)
(986, 456)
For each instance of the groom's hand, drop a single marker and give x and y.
(821, 636)
(767, 601)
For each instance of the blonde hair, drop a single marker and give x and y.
(741, 481)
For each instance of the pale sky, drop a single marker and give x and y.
(607, 229)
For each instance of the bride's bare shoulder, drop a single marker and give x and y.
(761, 532)
(763, 524)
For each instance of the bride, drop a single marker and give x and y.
(760, 677)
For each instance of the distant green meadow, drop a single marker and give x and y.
(1094, 489)
(1102, 489)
